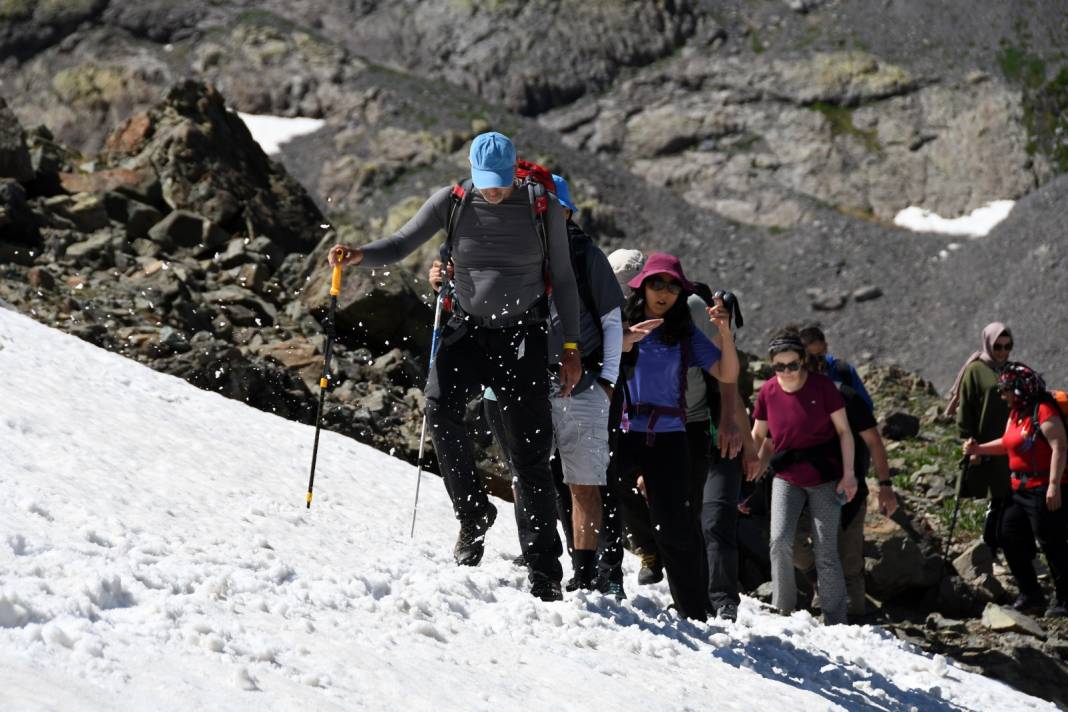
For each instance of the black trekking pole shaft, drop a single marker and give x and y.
(956, 506)
(324, 380)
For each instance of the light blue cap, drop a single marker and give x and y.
(563, 193)
(492, 161)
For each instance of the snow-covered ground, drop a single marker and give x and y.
(270, 132)
(977, 223)
(156, 554)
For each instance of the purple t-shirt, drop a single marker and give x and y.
(657, 379)
(800, 420)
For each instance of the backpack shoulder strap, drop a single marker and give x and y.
(460, 197)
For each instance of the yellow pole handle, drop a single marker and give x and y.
(335, 281)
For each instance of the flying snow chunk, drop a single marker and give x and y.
(978, 223)
(270, 132)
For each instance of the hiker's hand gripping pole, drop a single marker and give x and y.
(324, 380)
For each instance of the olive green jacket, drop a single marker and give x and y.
(982, 415)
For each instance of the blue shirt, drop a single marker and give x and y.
(657, 377)
(842, 372)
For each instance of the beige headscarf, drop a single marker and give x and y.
(991, 333)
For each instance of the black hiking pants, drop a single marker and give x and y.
(1025, 519)
(719, 525)
(699, 449)
(513, 362)
(664, 466)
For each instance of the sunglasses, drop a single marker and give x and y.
(1003, 347)
(659, 284)
(792, 367)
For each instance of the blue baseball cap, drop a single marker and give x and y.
(492, 161)
(563, 193)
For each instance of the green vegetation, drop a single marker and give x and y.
(841, 120)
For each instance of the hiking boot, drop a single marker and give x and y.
(577, 582)
(1029, 603)
(470, 543)
(1058, 610)
(727, 612)
(614, 589)
(651, 570)
(545, 589)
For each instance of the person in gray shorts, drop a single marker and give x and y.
(580, 421)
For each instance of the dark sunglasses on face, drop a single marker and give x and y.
(1003, 347)
(659, 284)
(791, 367)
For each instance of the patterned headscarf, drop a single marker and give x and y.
(1023, 381)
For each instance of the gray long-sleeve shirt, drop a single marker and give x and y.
(497, 255)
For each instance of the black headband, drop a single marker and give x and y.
(786, 343)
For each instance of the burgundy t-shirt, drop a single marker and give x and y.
(800, 420)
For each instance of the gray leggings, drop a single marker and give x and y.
(787, 501)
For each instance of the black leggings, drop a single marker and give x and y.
(1025, 519)
(664, 466)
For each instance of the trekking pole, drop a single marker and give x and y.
(324, 381)
(956, 507)
(434, 339)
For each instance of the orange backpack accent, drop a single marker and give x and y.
(1062, 402)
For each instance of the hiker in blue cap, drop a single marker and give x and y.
(496, 336)
(581, 421)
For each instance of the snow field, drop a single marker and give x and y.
(156, 553)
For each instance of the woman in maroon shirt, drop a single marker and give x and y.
(1037, 447)
(801, 427)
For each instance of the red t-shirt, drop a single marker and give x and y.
(1023, 457)
(800, 420)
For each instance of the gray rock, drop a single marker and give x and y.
(183, 229)
(866, 294)
(830, 302)
(17, 223)
(1006, 620)
(94, 245)
(88, 212)
(976, 561)
(140, 219)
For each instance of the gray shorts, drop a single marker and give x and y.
(580, 431)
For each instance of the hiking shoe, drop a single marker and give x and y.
(1058, 610)
(1029, 603)
(577, 582)
(615, 590)
(545, 589)
(470, 543)
(520, 561)
(651, 570)
(727, 612)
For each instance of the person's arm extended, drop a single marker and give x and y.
(424, 225)
(764, 450)
(887, 498)
(848, 483)
(611, 344)
(1053, 431)
(968, 408)
(565, 291)
(994, 447)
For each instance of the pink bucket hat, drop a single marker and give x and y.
(662, 263)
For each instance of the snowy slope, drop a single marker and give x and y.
(155, 553)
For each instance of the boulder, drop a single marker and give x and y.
(901, 426)
(14, 155)
(1002, 619)
(976, 561)
(183, 229)
(207, 164)
(898, 558)
(17, 223)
